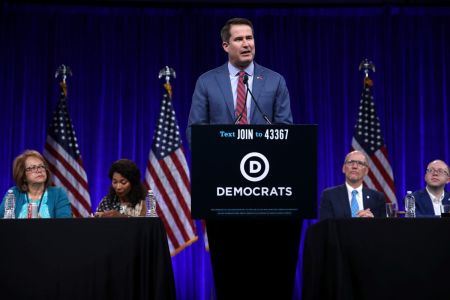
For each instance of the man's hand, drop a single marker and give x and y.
(366, 213)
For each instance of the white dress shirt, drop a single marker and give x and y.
(234, 78)
(358, 196)
(437, 201)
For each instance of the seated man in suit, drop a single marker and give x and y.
(429, 200)
(352, 200)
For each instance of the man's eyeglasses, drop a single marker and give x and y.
(356, 162)
(440, 172)
(35, 169)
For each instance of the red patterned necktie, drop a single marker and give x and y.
(241, 104)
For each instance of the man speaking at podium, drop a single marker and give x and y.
(251, 258)
(218, 92)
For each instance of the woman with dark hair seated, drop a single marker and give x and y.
(126, 196)
(32, 177)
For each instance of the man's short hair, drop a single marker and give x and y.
(357, 151)
(225, 32)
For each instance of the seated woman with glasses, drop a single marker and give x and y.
(126, 197)
(32, 178)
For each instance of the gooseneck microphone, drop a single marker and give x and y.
(254, 100)
(245, 79)
(239, 117)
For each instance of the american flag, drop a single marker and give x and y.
(64, 158)
(368, 139)
(167, 174)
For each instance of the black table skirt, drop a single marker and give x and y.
(377, 259)
(85, 259)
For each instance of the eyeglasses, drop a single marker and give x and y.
(35, 169)
(440, 172)
(357, 162)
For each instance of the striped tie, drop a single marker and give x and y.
(241, 104)
(355, 206)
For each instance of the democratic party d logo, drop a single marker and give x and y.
(254, 166)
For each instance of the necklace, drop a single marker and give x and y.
(40, 200)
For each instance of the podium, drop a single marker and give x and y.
(254, 185)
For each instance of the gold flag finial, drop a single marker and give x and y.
(167, 73)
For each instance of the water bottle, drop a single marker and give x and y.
(410, 205)
(150, 202)
(10, 205)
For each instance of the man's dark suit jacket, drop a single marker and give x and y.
(424, 205)
(334, 203)
(212, 101)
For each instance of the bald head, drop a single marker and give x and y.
(356, 153)
(439, 163)
(355, 168)
(437, 176)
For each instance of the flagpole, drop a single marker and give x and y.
(62, 152)
(63, 71)
(367, 66)
(368, 139)
(167, 72)
(167, 174)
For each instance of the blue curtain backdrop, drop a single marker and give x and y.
(116, 53)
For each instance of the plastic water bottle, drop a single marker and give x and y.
(10, 205)
(410, 205)
(150, 202)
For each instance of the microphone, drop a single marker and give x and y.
(239, 117)
(256, 102)
(245, 79)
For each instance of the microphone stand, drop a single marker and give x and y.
(257, 105)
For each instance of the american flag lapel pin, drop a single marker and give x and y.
(259, 77)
